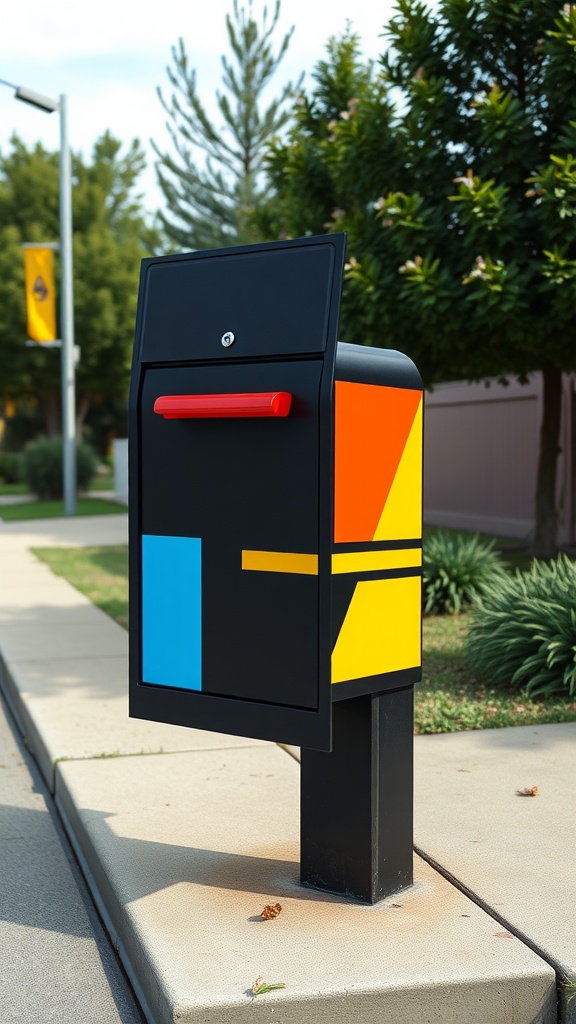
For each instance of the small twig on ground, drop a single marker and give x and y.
(260, 986)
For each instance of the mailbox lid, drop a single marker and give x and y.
(275, 299)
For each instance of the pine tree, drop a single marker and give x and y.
(210, 203)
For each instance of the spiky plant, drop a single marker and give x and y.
(525, 633)
(457, 571)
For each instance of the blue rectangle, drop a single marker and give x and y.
(172, 611)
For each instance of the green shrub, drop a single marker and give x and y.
(457, 571)
(23, 426)
(525, 634)
(42, 467)
(9, 468)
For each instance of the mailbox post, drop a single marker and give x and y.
(275, 538)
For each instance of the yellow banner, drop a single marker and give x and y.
(40, 294)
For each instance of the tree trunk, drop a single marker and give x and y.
(51, 411)
(81, 412)
(544, 545)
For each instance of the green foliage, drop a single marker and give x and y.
(22, 426)
(100, 573)
(451, 167)
(310, 185)
(452, 696)
(41, 467)
(110, 237)
(458, 570)
(210, 203)
(427, 161)
(9, 468)
(524, 635)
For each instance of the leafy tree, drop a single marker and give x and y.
(452, 168)
(209, 204)
(110, 238)
(300, 167)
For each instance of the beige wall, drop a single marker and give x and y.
(480, 457)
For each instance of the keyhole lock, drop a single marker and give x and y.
(227, 339)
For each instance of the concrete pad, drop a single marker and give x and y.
(515, 853)
(65, 671)
(184, 851)
(86, 640)
(78, 708)
(14, 499)
(53, 602)
(69, 531)
(57, 964)
(20, 574)
(34, 600)
(29, 574)
(14, 557)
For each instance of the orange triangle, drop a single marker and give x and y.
(372, 427)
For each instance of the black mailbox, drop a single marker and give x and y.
(275, 498)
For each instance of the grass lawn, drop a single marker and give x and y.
(9, 489)
(103, 480)
(99, 572)
(51, 509)
(450, 697)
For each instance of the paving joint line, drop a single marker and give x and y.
(561, 976)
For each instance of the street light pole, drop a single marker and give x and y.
(66, 289)
(67, 320)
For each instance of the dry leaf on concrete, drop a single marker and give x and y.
(271, 910)
(530, 791)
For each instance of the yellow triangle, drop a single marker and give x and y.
(381, 630)
(402, 514)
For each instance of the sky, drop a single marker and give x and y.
(109, 56)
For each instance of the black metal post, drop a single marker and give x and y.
(357, 801)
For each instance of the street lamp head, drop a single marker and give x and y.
(37, 99)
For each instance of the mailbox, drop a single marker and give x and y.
(275, 498)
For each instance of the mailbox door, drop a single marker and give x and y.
(230, 537)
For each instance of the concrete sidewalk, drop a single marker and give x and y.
(183, 836)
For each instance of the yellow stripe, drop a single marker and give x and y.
(343, 562)
(280, 561)
(371, 561)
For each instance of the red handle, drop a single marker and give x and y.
(186, 407)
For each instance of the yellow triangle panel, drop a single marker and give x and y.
(381, 631)
(402, 514)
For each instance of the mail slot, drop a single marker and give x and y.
(275, 497)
